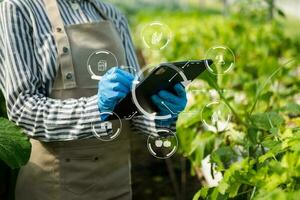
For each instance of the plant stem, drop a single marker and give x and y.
(265, 83)
(253, 192)
(172, 175)
(231, 108)
(183, 178)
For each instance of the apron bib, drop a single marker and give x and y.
(81, 169)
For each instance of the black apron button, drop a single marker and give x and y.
(65, 49)
(69, 76)
(58, 29)
(68, 160)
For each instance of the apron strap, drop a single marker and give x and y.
(100, 11)
(62, 43)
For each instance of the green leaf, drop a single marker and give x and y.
(197, 195)
(201, 193)
(238, 173)
(280, 12)
(266, 96)
(210, 78)
(253, 135)
(15, 147)
(292, 108)
(267, 121)
(294, 142)
(201, 146)
(234, 188)
(269, 154)
(223, 156)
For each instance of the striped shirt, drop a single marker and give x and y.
(28, 57)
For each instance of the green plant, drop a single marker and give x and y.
(15, 150)
(14, 145)
(258, 154)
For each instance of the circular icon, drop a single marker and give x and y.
(216, 116)
(99, 62)
(107, 130)
(223, 60)
(145, 101)
(164, 145)
(156, 35)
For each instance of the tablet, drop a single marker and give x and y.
(163, 77)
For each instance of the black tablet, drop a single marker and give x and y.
(163, 77)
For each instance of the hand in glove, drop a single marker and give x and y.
(112, 88)
(171, 103)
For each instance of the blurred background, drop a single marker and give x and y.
(262, 34)
(260, 93)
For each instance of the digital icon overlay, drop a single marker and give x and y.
(156, 35)
(164, 145)
(138, 101)
(107, 130)
(99, 62)
(223, 60)
(216, 116)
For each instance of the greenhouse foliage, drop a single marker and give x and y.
(258, 155)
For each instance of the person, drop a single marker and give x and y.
(51, 96)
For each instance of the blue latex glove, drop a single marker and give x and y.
(170, 103)
(112, 88)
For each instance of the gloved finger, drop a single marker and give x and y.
(168, 96)
(180, 90)
(125, 74)
(116, 70)
(111, 71)
(174, 107)
(119, 87)
(157, 101)
(121, 95)
(119, 77)
(115, 96)
(160, 104)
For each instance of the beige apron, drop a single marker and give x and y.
(82, 169)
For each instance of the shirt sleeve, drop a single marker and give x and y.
(41, 117)
(140, 124)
